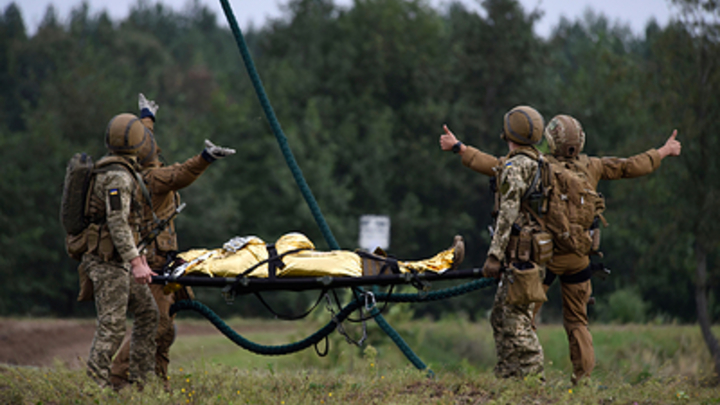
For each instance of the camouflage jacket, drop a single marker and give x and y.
(517, 173)
(114, 204)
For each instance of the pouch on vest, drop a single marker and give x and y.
(512, 247)
(525, 286)
(76, 245)
(542, 247)
(524, 249)
(87, 291)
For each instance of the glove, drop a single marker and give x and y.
(491, 268)
(148, 108)
(212, 152)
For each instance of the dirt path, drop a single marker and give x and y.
(42, 342)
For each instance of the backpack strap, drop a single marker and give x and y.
(108, 161)
(535, 181)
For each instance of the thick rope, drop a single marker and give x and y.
(295, 169)
(331, 326)
(277, 130)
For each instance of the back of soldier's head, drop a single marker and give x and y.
(565, 136)
(126, 135)
(523, 125)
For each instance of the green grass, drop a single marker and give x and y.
(636, 364)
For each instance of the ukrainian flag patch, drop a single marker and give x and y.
(114, 199)
(508, 164)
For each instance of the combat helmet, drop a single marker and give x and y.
(126, 135)
(565, 136)
(523, 125)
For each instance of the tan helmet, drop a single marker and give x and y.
(523, 125)
(126, 135)
(565, 136)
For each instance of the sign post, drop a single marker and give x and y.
(374, 232)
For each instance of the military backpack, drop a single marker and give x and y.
(569, 206)
(74, 216)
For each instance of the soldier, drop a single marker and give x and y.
(566, 139)
(112, 259)
(517, 346)
(163, 182)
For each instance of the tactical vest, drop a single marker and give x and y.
(97, 234)
(529, 241)
(560, 205)
(166, 241)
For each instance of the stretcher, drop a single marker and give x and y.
(249, 265)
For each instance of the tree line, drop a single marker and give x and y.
(362, 94)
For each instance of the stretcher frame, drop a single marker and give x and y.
(251, 285)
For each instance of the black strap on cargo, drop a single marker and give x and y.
(389, 264)
(579, 277)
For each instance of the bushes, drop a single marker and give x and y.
(625, 305)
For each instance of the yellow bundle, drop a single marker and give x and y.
(243, 253)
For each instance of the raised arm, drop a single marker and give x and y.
(473, 158)
(639, 165)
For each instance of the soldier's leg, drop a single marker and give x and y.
(575, 320)
(497, 317)
(165, 331)
(121, 366)
(111, 285)
(142, 339)
(518, 348)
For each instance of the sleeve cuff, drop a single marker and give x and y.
(207, 156)
(497, 253)
(130, 254)
(145, 113)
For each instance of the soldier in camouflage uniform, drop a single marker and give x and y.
(119, 272)
(566, 140)
(517, 346)
(162, 183)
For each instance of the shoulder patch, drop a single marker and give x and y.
(115, 200)
(508, 164)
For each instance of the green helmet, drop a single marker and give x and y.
(523, 125)
(565, 136)
(126, 135)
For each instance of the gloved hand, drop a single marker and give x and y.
(491, 268)
(213, 152)
(148, 108)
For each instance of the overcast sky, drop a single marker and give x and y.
(634, 12)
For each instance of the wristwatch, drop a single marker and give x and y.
(456, 147)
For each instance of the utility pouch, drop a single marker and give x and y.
(581, 238)
(524, 248)
(542, 247)
(525, 286)
(512, 247)
(87, 291)
(76, 245)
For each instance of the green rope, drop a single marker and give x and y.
(277, 130)
(323, 332)
(295, 169)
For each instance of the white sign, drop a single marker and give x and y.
(374, 232)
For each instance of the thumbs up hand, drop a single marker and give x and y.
(672, 146)
(447, 139)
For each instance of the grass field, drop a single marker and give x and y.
(636, 364)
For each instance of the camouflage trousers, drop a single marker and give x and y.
(164, 338)
(518, 349)
(116, 294)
